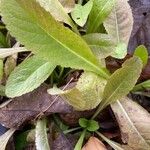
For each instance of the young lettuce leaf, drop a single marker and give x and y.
(101, 9)
(141, 51)
(121, 82)
(39, 32)
(28, 76)
(41, 139)
(81, 13)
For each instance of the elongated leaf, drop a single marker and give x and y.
(102, 45)
(28, 76)
(134, 123)
(87, 94)
(41, 139)
(81, 13)
(5, 52)
(120, 22)
(114, 145)
(142, 86)
(5, 138)
(101, 9)
(56, 10)
(48, 38)
(141, 51)
(122, 81)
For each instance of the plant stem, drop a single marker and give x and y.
(71, 130)
(96, 112)
(80, 141)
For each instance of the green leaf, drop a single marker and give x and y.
(83, 122)
(81, 13)
(3, 42)
(92, 126)
(5, 138)
(102, 45)
(41, 139)
(2, 90)
(56, 10)
(141, 51)
(78, 145)
(101, 9)
(120, 22)
(28, 76)
(5, 52)
(87, 94)
(120, 51)
(142, 86)
(121, 82)
(10, 65)
(46, 37)
(21, 141)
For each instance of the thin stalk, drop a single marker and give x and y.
(80, 141)
(71, 130)
(99, 109)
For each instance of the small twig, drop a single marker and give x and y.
(54, 99)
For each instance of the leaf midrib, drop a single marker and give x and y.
(126, 114)
(79, 56)
(91, 29)
(113, 92)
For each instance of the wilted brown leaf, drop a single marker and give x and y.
(28, 106)
(134, 122)
(64, 142)
(141, 30)
(94, 144)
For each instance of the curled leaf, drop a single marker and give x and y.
(87, 94)
(134, 123)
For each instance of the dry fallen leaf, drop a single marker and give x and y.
(94, 144)
(64, 142)
(134, 123)
(28, 106)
